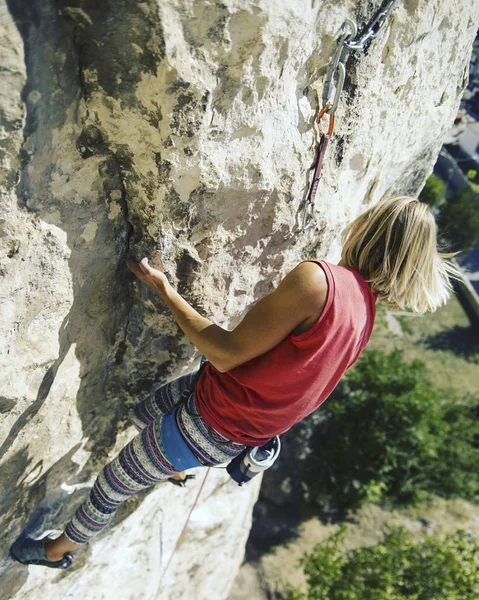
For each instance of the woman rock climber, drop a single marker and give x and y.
(277, 366)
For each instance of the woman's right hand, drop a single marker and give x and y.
(154, 278)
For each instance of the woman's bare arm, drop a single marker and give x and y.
(299, 297)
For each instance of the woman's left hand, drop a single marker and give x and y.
(153, 278)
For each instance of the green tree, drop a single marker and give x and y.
(389, 436)
(396, 568)
(433, 192)
(458, 220)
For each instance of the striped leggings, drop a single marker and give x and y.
(143, 462)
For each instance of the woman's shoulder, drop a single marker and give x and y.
(312, 279)
(314, 270)
(315, 284)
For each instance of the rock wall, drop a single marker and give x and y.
(181, 130)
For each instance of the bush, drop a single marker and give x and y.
(434, 569)
(458, 220)
(433, 192)
(390, 437)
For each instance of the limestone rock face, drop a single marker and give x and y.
(181, 130)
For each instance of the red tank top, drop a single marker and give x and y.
(268, 394)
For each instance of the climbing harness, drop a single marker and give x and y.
(348, 42)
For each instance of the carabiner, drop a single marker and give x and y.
(327, 109)
(337, 69)
(307, 212)
(343, 41)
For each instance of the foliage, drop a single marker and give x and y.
(464, 161)
(396, 568)
(390, 437)
(433, 192)
(458, 220)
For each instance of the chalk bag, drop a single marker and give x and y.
(253, 461)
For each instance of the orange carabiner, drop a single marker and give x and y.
(321, 114)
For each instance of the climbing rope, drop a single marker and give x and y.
(333, 86)
(163, 575)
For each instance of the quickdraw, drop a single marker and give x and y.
(347, 43)
(323, 140)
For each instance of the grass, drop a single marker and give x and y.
(443, 340)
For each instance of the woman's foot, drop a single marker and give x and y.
(57, 548)
(32, 552)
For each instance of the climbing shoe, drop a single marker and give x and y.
(31, 552)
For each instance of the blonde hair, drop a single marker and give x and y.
(394, 246)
